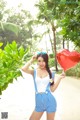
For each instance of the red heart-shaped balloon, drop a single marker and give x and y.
(68, 59)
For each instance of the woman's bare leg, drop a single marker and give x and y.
(50, 116)
(36, 115)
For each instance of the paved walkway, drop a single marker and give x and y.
(18, 99)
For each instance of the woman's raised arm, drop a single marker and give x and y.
(26, 67)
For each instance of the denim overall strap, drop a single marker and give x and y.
(35, 81)
(53, 75)
(48, 86)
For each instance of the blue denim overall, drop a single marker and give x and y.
(44, 101)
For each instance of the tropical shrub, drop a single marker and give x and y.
(51, 55)
(75, 71)
(51, 62)
(11, 58)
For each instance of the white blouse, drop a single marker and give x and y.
(42, 83)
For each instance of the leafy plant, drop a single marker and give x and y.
(75, 71)
(11, 59)
(51, 62)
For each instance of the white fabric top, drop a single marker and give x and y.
(42, 83)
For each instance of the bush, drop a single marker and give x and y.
(11, 58)
(51, 62)
(75, 71)
(51, 55)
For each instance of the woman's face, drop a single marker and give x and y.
(41, 63)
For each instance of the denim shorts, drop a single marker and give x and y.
(45, 102)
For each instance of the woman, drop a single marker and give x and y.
(44, 85)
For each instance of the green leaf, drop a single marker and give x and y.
(10, 63)
(1, 26)
(9, 26)
(1, 44)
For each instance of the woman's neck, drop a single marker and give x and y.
(41, 68)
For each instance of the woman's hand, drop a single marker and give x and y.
(62, 75)
(34, 57)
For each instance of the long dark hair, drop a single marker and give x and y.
(44, 55)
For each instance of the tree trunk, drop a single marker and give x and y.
(50, 41)
(68, 44)
(54, 39)
(63, 43)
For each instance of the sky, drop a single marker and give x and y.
(27, 4)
